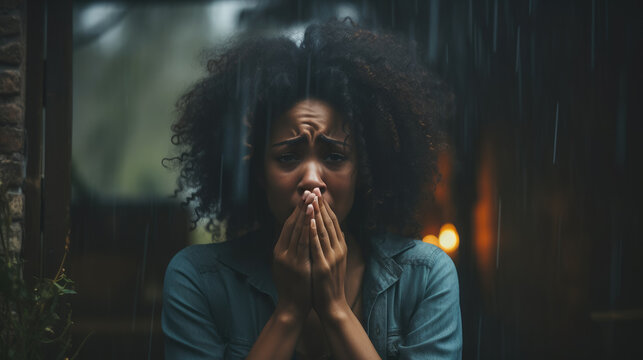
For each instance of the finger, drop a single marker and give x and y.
(305, 195)
(286, 231)
(315, 246)
(328, 223)
(303, 251)
(332, 227)
(300, 221)
(333, 218)
(340, 234)
(321, 229)
(284, 239)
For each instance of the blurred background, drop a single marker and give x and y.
(539, 202)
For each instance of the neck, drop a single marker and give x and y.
(355, 257)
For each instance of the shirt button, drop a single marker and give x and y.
(377, 330)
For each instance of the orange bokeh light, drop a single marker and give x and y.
(449, 240)
(431, 239)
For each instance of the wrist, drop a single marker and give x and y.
(289, 314)
(336, 314)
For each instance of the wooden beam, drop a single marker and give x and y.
(58, 130)
(34, 79)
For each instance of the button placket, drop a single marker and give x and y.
(379, 324)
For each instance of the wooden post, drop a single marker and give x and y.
(34, 79)
(58, 126)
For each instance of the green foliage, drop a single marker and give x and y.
(32, 317)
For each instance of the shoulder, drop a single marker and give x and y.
(213, 258)
(429, 309)
(188, 272)
(200, 270)
(197, 258)
(425, 254)
(426, 270)
(421, 261)
(415, 252)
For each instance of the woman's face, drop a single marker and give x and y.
(306, 151)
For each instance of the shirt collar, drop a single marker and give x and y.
(382, 270)
(249, 255)
(390, 245)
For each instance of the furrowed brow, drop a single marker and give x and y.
(294, 141)
(332, 141)
(302, 138)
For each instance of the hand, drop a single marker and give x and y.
(291, 266)
(328, 252)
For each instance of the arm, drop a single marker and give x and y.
(435, 328)
(278, 337)
(291, 270)
(346, 336)
(190, 331)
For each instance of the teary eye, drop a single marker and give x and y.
(335, 157)
(286, 158)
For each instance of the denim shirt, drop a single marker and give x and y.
(217, 299)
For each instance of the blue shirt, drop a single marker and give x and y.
(218, 297)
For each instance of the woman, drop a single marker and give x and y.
(314, 157)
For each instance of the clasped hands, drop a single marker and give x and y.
(309, 260)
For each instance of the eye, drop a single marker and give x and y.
(287, 158)
(335, 157)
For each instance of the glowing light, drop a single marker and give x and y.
(449, 239)
(431, 239)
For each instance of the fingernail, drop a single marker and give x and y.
(305, 194)
(309, 209)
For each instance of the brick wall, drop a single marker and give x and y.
(12, 129)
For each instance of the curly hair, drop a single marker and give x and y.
(390, 103)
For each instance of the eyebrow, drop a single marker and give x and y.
(302, 138)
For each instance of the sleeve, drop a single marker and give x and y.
(190, 331)
(435, 328)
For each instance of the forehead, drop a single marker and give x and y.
(309, 117)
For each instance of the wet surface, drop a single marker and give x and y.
(544, 159)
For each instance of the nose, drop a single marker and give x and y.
(311, 178)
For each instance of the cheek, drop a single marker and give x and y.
(343, 194)
(279, 188)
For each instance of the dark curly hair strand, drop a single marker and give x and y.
(390, 105)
